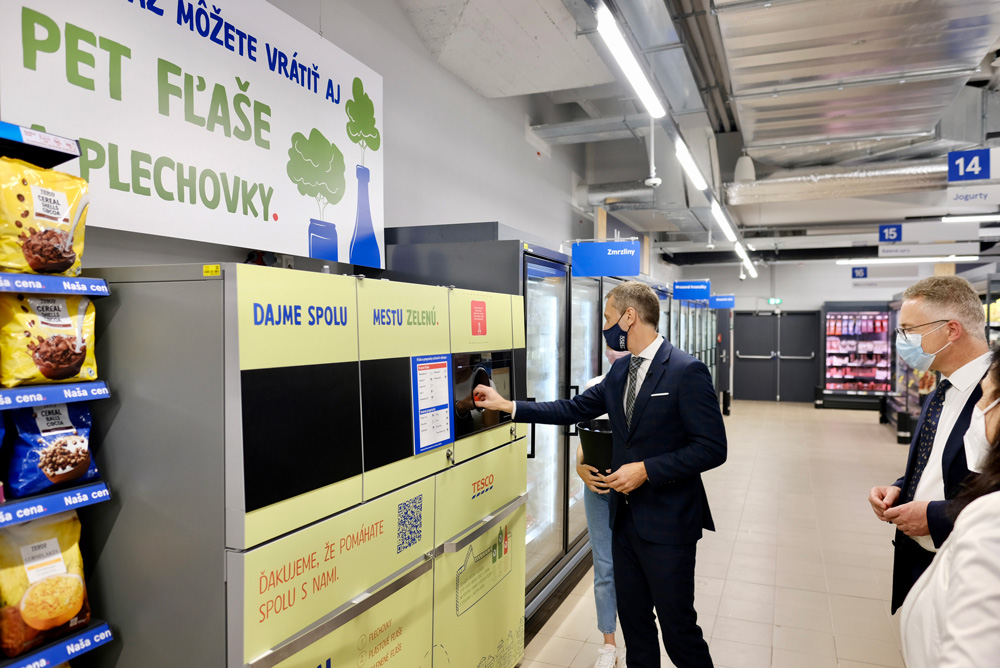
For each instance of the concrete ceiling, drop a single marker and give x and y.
(514, 47)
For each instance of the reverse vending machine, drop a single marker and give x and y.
(302, 477)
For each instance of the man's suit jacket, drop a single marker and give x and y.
(939, 520)
(676, 429)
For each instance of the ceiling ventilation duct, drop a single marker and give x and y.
(817, 82)
(834, 182)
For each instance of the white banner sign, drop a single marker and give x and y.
(927, 250)
(228, 123)
(974, 195)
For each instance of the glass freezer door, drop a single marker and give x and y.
(586, 346)
(546, 305)
(607, 285)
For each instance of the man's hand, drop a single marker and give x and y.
(882, 499)
(488, 398)
(911, 518)
(627, 478)
(592, 478)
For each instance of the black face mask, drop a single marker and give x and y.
(616, 337)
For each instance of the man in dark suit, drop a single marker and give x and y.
(941, 328)
(667, 430)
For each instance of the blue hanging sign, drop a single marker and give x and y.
(607, 258)
(693, 290)
(969, 165)
(890, 234)
(722, 301)
(859, 272)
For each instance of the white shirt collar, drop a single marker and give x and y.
(650, 351)
(965, 377)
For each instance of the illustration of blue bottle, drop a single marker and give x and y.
(322, 240)
(364, 245)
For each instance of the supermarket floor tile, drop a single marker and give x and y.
(797, 572)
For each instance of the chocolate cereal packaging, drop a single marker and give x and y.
(42, 218)
(46, 339)
(51, 446)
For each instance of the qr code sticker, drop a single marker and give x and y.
(410, 523)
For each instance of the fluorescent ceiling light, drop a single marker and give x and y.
(720, 218)
(740, 251)
(690, 167)
(910, 260)
(608, 27)
(981, 218)
(750, 268)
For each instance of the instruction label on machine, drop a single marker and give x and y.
(483, 570)
(432, 401)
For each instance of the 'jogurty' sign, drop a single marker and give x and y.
(228, 123)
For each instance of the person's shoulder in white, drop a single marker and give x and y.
(973, 614)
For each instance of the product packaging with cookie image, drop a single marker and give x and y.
(46, 339)
(43, 215)
(42, 591)
(51, 446)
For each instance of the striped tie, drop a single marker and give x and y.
(633, 377)
(925, 442)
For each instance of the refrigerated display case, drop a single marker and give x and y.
(546, 319)
(493, 257)
(858, 370)
(586, 344)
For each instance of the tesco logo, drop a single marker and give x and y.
(481, 486)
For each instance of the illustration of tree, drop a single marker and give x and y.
(361, 124)
(317, 167)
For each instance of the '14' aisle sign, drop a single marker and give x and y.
(970, 165)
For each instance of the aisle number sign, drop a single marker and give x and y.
(890, 234)
(970, 165)
(859, 272)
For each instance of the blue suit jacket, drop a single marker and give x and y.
(677, 430)
(955, 470)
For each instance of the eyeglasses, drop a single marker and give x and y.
(902, 331)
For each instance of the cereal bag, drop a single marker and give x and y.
(46, 339)
(42, 592)
(42, 218)
(52, 446)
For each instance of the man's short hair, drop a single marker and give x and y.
(953, 298)
(633, 294)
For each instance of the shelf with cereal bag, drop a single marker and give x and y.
(47, 369)
(46, 309)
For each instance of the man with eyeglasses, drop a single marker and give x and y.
(941, 328)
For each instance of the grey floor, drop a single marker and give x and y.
(798, 573)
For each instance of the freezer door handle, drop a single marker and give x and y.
(531, 450)
(756, 357)
(572, 431)
(485, 524)
(811, 356)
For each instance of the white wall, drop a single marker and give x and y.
(451, 156)
(806, 286)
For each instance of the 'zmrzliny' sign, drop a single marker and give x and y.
(225, 122)
(606, 258)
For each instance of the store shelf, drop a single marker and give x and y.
(860, 393)
(46, 395)
(43, 505)
(96, 633)
(38, 148)
(53, 285)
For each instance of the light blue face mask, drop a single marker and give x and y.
(910, 350)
